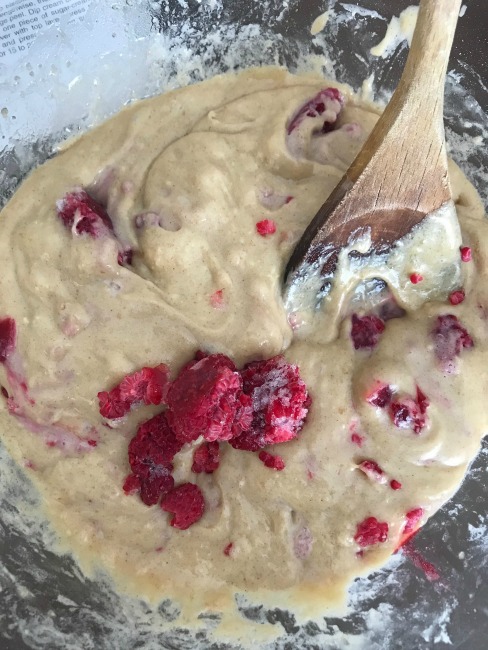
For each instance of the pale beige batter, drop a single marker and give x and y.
(203, 165)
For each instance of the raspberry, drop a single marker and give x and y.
(289, 199)
(81, 214)
(228, 549)
(324, 100)
(395, 485)
(155, 487)
(153, 447)
(420, 562)
(280, 403)
(217, 299)
(373, 471)
(456, 297)
(466, 254)
(371, 531)
(450, 337)
(132, 484)
(148, 386)
(366, 331)
(406, 415)
(206, 458)
(206, 400)
(266, 227)
(273, 462)
(415, 278)
(356, 439)
(380, 396)
(186, 503)
(413, 518)
(8, 336)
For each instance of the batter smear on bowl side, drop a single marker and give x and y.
(187, 434)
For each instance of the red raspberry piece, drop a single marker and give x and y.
(148, 386)
(132, 484)
(395, 485)
(466, 254)
(413, 518)
(228, 549)
(356, 439)
(153, 448)
(156, 486)
(366, 331)
(457, 297)
(206, 458)
(415, 278)
(450, 337)
(380, 396)
(217, 299)
(8, 336)
(280, 403)
(316, 107)
(271, 461)
(266, 227)
(186, 503)
(373, 471)
(406, 415)
(206, 400)
(371, 531)
(81, 214)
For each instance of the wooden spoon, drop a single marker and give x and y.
(400, 175)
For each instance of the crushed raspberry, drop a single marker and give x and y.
(380, 396)
(413, 518)
(457, 297)
(280, 403)
(206, 400)
(8, 335)
(217, 299)
(430, 571)
(466, 254)
(415, 278)
(266, 227)
(395, 485)
(186, 503)
(356, 439)
(366, 331)
(124, 257)
(410, 413)
(132, 484)
(373, 471)
(92, 443)
(81, 214)
(450, 338)
(289, 199)
(228, 549)
(148, 386)
(271, 461)
(371, 531)
(206, 458)
(316, 107)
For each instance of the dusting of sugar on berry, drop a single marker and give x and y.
(371, 531)
(266, 227)
(366, 331)
(395, 485)
(466, 254)
(206, 458)
(415, 278)
(272, 461)
(457, 297)
(228, 549)
(8, 337)
(186, 503)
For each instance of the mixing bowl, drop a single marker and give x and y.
(76, 73)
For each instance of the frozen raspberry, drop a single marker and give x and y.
(366, 331)
(206, 400)
(152, 489)
(395, 485)
(415, 278)
(271, 461)
(329, 99)
(228, 549)
(206, 458)
(466, 254)
(373, 471)
(413, 519)
(371, 531)
(456, 297)
(280, 403)
(266, 227)
(81, 214)
(148, 386)
(450, 337)
(132, 484)
(409, 413)
(8, 335)
(380, 395)
(186, 503)
(153, 447)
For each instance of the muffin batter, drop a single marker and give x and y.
(186, 178)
